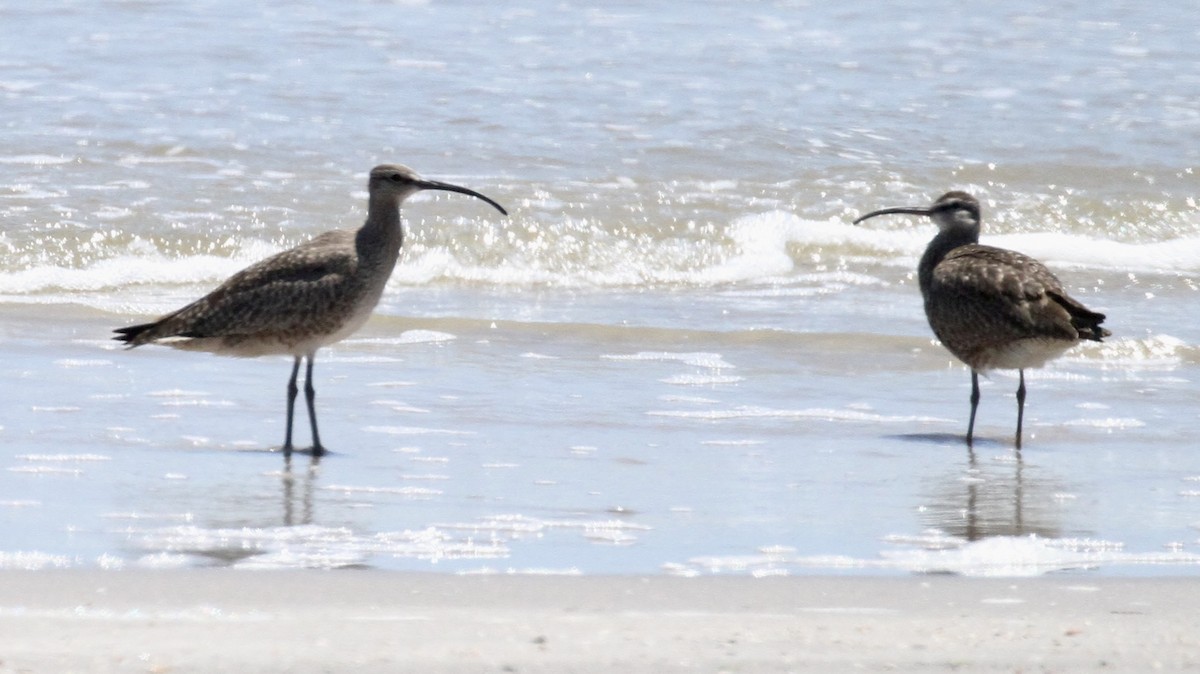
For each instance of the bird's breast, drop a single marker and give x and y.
(1017, 354)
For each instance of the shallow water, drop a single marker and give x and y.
(676, 355)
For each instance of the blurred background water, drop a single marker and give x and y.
(676, 355)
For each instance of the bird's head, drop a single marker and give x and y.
(953, 211)
(400, 182)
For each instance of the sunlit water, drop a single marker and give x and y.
(675, 356)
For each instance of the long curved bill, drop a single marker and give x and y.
(907, 210)
(447, 187)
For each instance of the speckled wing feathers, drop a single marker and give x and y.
(287, 297)
(983, 298)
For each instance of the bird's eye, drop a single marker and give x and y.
(396, 177)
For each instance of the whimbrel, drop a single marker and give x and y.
(297, 301)
(993, 308)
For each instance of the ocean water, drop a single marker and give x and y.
(675, 356)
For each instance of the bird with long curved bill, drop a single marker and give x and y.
(302, 299)
(990, 307)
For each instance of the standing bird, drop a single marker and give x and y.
(991, 307)
(304, 298)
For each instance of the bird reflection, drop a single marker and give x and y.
(1003, 498)
(307, 479)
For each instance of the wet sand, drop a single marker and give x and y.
(306, 621)
(460, 446)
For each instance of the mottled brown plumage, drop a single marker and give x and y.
(990, 307)
(304, 298)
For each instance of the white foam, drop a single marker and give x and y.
(46, 470)
(64, 458)
(169, 517)
(136, 268)
(696, 400)
(198, 403)
(523, 525)
(754, 412)
(1109, 423)
(82, 362)
(934, 552)
(1006, 556)
(696, 359)
(609, 537)
(176, 393)
(414, 430)
(109, 562)
(770, 245)
(1156, 352)
(164, 560)
(528, 571)
(424, 477)
(408, 337)
(33, 561)
(36, 159)
(397, 406)
(701, 380)
(407, 492)
(310, 546)
(332, 357)
(537, 356)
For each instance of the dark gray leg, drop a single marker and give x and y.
(974, 406)
(1020, 406)
(310, 395)
(292, 391)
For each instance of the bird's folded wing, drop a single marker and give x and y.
(279, 294)
(1013, 294)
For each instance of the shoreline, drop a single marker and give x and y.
(368, 621)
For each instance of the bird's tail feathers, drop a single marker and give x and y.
(134, 335)
(1094, 332)
(1085, 321)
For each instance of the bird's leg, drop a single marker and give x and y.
(292, 391)
(974, 406)
(1020, 406)
(310, 395)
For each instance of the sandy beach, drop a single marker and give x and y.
(308, 621)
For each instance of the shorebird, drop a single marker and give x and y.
(302, 299)
(993, 308)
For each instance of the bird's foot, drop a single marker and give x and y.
(316, 451)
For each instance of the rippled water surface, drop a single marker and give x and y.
(676, 355)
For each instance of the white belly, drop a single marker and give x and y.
(1024, 353)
